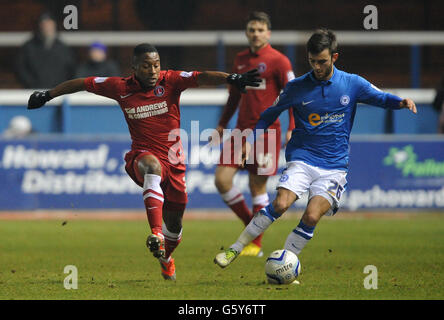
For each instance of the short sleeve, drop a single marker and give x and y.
(182, 80)
(103, 86)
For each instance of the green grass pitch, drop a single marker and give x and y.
(113, 262)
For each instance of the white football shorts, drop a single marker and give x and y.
(300, 177)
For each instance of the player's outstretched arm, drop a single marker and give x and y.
(239, 80)
(39, 98)
(408, 104)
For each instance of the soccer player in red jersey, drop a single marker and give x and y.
(275, 71)
(149, 100)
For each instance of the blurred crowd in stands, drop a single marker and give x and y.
(44, 60)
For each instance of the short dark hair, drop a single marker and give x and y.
(46, 16)
(322, 39)
(143, 48)
(259, 16)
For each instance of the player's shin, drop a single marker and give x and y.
(299, 237)
(235, 200)
(172, 240)
(260, 222)
(153, 199)
(259, 202)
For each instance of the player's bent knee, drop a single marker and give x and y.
(149, 165)
(280, 205)
(283, 201)
(223, 185)
(223, 182)
(310, 218)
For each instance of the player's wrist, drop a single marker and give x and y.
(232, 78)
(47, 95)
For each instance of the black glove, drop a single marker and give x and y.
(38, 99)
(249, 78)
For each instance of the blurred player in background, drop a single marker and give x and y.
(149, 100)
(275, 71)
(324, 105)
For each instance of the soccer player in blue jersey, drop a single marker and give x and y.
(324, 106)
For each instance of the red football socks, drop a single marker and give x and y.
(153, 199)
(172, 240)
(235, 200)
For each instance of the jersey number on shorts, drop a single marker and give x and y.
(335, 189)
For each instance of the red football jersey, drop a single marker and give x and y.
(275, 71)
(153, 114)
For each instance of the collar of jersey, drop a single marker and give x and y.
(326, 82)
(134, 85)
(261, 50)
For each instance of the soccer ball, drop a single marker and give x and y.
(282, 267)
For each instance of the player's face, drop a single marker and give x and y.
(147, 68)
(322, 64)
(258, 35)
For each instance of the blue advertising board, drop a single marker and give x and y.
(88, 173)
(398, 173)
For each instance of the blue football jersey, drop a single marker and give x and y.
(324, 112)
